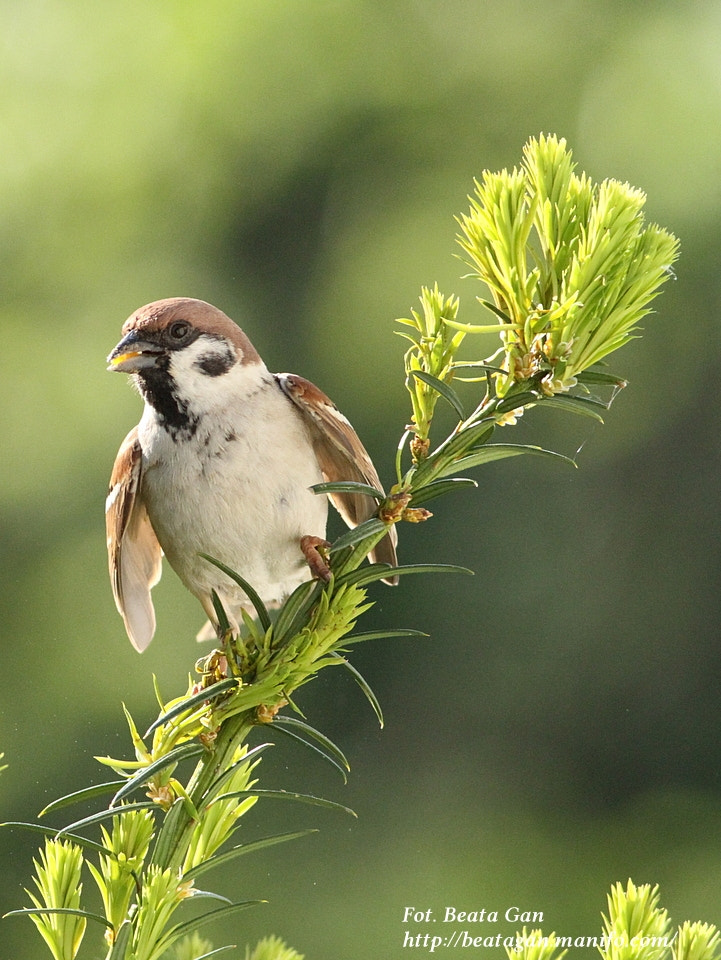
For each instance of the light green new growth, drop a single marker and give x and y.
(429, 362)
(57, 912)
(161, 893)
(193, 948)
(636, 928)
(272, 948)
(532, 945)
(635, 916)
(217, 819)
(697, 941)
(571, 267)
(127, 844)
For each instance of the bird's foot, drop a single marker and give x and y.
(314, 550)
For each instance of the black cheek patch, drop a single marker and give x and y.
(215, 364)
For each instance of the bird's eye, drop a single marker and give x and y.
(179, 330)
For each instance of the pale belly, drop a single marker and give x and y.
(255, 506)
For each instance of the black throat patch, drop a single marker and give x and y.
(160, 390)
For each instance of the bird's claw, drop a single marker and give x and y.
(314, 549)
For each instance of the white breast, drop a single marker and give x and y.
(237, 489)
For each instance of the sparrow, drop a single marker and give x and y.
(221, 463)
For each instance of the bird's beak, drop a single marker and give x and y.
(133, 354)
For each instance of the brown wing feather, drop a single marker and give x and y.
(134, 554)
(341, 456)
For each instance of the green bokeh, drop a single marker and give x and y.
(299, 164)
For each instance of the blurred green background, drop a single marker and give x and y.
(299, 164)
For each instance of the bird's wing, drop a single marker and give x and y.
(134, 554)
(341, 456)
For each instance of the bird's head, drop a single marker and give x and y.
(158, 333)
(183, 353)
